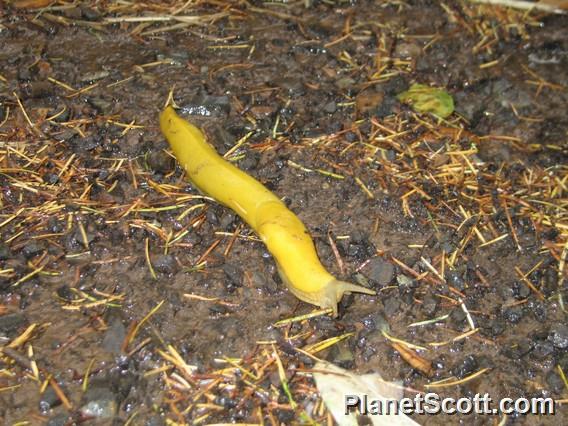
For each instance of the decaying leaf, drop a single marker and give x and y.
(428, 99)
(335, 384)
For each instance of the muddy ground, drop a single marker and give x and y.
(111, 265)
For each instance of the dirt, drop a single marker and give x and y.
(109, 259)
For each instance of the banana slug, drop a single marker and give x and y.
(285, 236)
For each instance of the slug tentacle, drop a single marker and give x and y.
(281, 230)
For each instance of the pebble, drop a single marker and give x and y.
(368, 101)
(99, 402)
(465, 367)
(555, 382)
(455, 279)
(160, 162)
(559, 336)
(114, 337)
(429, 305)
(60, 419)
(342, 355)
(542, 350)
(49, 399)
(379, 271)
(4, 251)
(10, 324)
(32, 248)
(376, 321)
(517, 349)
(165, 263)
(513, 314)
(392, 305)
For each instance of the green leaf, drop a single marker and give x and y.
(428, 99)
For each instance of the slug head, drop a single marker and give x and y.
(335, 290)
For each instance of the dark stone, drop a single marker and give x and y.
(65, 293)
(517, 349)
(165, 264)
(11, 324)
(392, 305)
(114, 337)
(89, 13)
(99, 402)
(208, 105)
(555, 382)
(49, 399)
(465, 367)
(60, 419)
(234, 274)
(32, 248)
(513, 314)
(521, 290)
(226, 219)
(379, 271)
(37, 89)
(376, 321)
(4, 251)
(342, 355)
(457, 315)
(455, 279)
(542, 350)
(330, 107)
(50, 178)
(559, 336)
(429, 305)
(160, 162)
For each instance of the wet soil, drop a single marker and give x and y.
(462, 221)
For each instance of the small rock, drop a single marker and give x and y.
(330, 107)
(99, 402)
(493, 328)
(465, 367)
(368, 101)
(518, 349)
(345, 83)
(455, 279)
(379, 271)
(226, 219)
(32, 248)
(542, 350)
(10, 324)
(457, 315)
(376, 321)
(555, 382)
(89, 13)
(520, 290)
(559, 336)
(65, 293)
(342, 355)
(392, 305)
(50, 178)
(37, 89)
(60, 419)
(513, 314)
(234, 274)
(101, 105)
(165, 264)
(160, 162)
(429, 305)
(114, 337)
(4, 251)
(49, 399)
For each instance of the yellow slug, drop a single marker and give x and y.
(283, 233)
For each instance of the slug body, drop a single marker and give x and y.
(281, 230)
